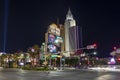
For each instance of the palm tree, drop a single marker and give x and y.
(34, 52)
(3, 60)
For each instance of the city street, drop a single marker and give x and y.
(13, 74)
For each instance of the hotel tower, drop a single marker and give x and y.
(71, 34)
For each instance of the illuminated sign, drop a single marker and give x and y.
(112, 61)
(54, 29)
(54, 39)
(51, 38)
(52, 48)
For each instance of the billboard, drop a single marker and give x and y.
(54, 39)
(53, 29)
(51, 38)
(52, 48)
(54, 43)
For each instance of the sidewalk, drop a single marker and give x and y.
(1, 68)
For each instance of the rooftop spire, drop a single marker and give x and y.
(69, 15)
(69, 12)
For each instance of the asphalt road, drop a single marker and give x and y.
(13, 74)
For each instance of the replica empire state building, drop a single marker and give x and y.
(71, 34)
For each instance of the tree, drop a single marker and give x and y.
(34, 52)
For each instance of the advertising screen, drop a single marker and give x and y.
(54, 43)
(51, 38)
(52, 48)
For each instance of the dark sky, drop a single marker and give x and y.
(28, 21)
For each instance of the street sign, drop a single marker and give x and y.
(91, 46)
(54, 56)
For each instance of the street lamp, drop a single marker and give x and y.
(1, 59)
(60, 56)
(94, 52)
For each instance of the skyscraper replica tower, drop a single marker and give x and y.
(71, 34)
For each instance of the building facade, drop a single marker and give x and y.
(72, 36)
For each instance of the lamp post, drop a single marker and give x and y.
(60, 56)
(60, 62)
(1, 59)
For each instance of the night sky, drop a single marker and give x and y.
(28, 21)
